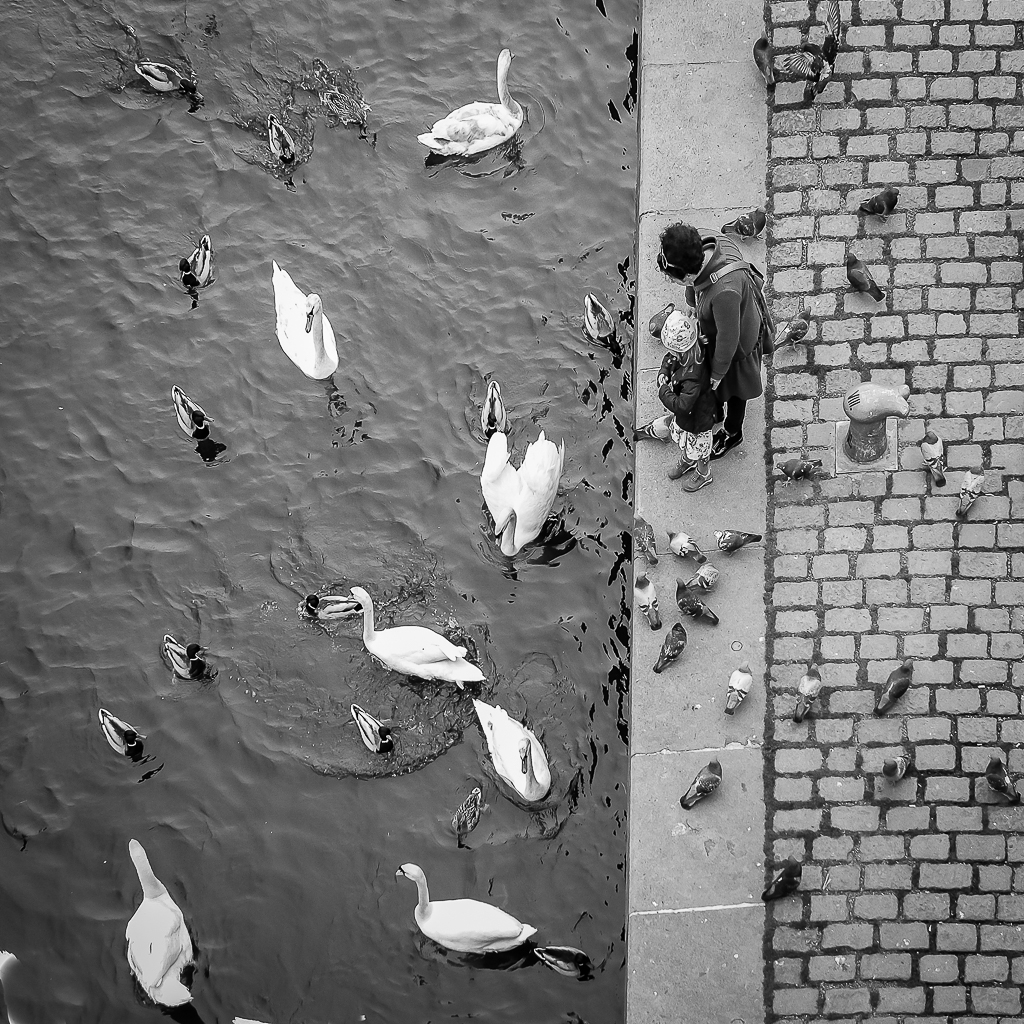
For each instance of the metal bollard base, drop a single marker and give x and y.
(888, 463)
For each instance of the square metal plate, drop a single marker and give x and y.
(888, 463)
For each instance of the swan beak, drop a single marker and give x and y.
(309, 322)
(399, 873)
(525, 759)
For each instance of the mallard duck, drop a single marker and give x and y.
(520, 500)
(466, 818)
(517, 755)
(376, 737)
(167, 78)
(159, 947)
(121, 736)
(305, 333)
(197, 270)
(329, 607)
(282, 145)
(492, 415)
(192, 417)
(566, 960)
(415, 650)
(478, 127)
(185, 661)
(597, 321)
(465, 926)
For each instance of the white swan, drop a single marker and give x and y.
(415, 650)
(159, 947)
(520, 500)
(477, 127)
(517, 754)
(466, 926)
(303, 330)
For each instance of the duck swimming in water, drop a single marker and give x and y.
(329, 607)
(597, 321)
(467, 817)
(375, 736)
(192, 417)
(282, 145)
(493, 416)
(167, 78)
(122, 737)
(185, 661)
(197, 270)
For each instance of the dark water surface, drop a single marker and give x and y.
(274, 830)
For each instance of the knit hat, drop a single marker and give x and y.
(680, 332)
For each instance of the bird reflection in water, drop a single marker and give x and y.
(209, 450)
(509, 153)
(564, 960)
(336, 404)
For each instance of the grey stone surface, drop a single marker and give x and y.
(704, 32)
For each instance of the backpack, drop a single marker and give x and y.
(756, 279)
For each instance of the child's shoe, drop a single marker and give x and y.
(680, 470)
(698, 480)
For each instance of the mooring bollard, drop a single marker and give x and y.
(868, 406)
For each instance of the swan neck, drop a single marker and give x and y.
(504, 96)
(368, 630)
(318, 333)
(152, 887)
(423, 903)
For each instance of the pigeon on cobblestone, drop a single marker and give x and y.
(785, 883)
(816, 63)
(894, 768)
(658, 429)
(674, 645)
(974, 480)
(933, 451)
(690, 604)
(895, 686)
(749, 225)
(704, 578)
(794, 331)
(683, 545)
(860, 277)
(998, 778)
(706, 781)
(647, 598)
(658, 320)
(733, 540)
(807, 692)
(799, 469)
(765, 60)
(883, 204)
(739, 686)
(643, 537)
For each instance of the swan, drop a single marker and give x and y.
(516, 753)
(121, 736)
(477, 127)
(166, 78)
(282, 145)
(159, 947)
(376, 737)
(192, 417)
(303, 330)
(184, 660)
(493, 416)
(465, 926)
(415, 650)
(520, 500)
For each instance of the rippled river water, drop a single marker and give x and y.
(274, 829)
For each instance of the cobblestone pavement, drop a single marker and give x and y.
(912, 901)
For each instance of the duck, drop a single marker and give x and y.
(597, 321)
(159, 947)
(478, 127)
(520, 500)
(416, 651)
(467, 816)
(121, 736)
(197, 270)
(465, 926)
(282, 145)
(185, 660)
(192, 417)
(517, 755)
(493, 416)
(305, 333)
(566, 960)
(329, 607)
(167, 78)
(375, 736)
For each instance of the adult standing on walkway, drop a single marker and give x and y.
(732, 314)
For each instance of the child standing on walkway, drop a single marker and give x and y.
(685, 390)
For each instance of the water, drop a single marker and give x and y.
(275, 831)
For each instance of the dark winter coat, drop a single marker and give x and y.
(686, 389)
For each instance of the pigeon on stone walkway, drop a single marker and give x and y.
(974, 480)
(690, 604)
(647, 599)
(739, 686)
(894, 768)
(860, 277)
(733, 540)
(672, 648)
(764, 58)
(683, 545)
(785, 883)
(748, 225)
(657, 322)
(704, 578)
(883, 204)
(706, 781)
(816, 63)
(799, 469)
(998, 778)
(658, 429)
(794, 331)
(643, 537)
(933, 451)
(895, 686)
(807, 692)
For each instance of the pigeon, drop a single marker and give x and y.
(799, 469)
(692, 605)
(807, 692)
(704, 578)
(796, 330)
(739, 686)
(682, 544)
(974, 480)
(895, 686)
(643, 537)
(816, 63)
(706, 781)
(466, 818)
(647, 598)
(733, 540)
(883, 204)
(658, 429)
(674, 645)
(998, 778)
(785, 883)
(598, 324)
(764, 59)
(894, 768)
(567, 961)
(860, 277)
(933, 451)
(749, 225)
(658, 320)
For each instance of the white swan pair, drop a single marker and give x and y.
(520, 500)
(305, 333)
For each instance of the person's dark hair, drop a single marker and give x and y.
(682, 248)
